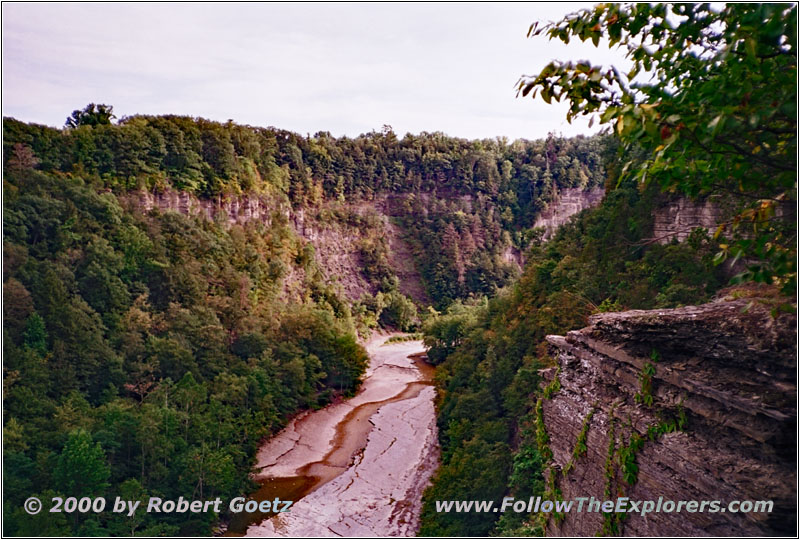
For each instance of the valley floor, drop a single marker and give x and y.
(358, 467)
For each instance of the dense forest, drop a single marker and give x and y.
(717, 116)
(477, 197)
(489, 352)
(209, 158)
(148, 354)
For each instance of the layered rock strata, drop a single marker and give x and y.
(569, 202)
(335, 244)
(730, 367)
(680, 216)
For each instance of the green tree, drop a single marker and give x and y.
(711, 99)
(400, 312)
(82, 470)
(35, 334)
(91, 115)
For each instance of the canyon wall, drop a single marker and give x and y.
(335, 242)
(676, 218)
(569, 202)
(679, 217)
(722, 419)
(237, 209)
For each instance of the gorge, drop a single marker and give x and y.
(370, 457)
(185, 304)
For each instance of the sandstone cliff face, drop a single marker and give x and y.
(335, 244)
(238, 210)
(678, 218)
(731, 371)
(569, 202)
(336, 251)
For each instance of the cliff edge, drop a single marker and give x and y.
(695, 403)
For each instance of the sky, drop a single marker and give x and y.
(345, 68)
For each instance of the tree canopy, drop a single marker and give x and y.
(91, 115)
(711, 98)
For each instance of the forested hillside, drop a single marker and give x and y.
(489, 354)
(707, 109)
(482, 196)
(177, 290)
(151, 352)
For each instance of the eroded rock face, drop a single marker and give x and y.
(678, 218)
(732, 370)
(239, 209)
(569, 202)
(335, 244)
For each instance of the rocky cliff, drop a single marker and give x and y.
(235, 209)
(569, 202)
(335, 241)
(696, 403)
(679, 217)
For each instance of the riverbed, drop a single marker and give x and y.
(357, 468)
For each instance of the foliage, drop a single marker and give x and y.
(174, 345)
(491, 355)
(554, 386)
(463, 205)
(711, 99)
(403, 338)
(611, 520)
(444, 333)
(178, 344)
(542, 438)
(580, 443)
(151, 354)
(82, 470)
(627, 458)
(400, 312)
(645, 393)
(91, 115)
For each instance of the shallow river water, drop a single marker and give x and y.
(356, 468)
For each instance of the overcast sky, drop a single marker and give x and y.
(343, 68)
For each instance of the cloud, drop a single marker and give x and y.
(343, 68)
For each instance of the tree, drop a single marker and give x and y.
(400, 312)
(91, 115)
(36, 334)
(82, 470)
(23, 157)
(711, 98)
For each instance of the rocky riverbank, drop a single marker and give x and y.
(358, 467)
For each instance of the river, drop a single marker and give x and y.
(355, 468)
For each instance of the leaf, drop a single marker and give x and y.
(750, 45)
(527, 89)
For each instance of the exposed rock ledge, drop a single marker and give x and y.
(335, 244)
(568, 202)
(735, 372)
